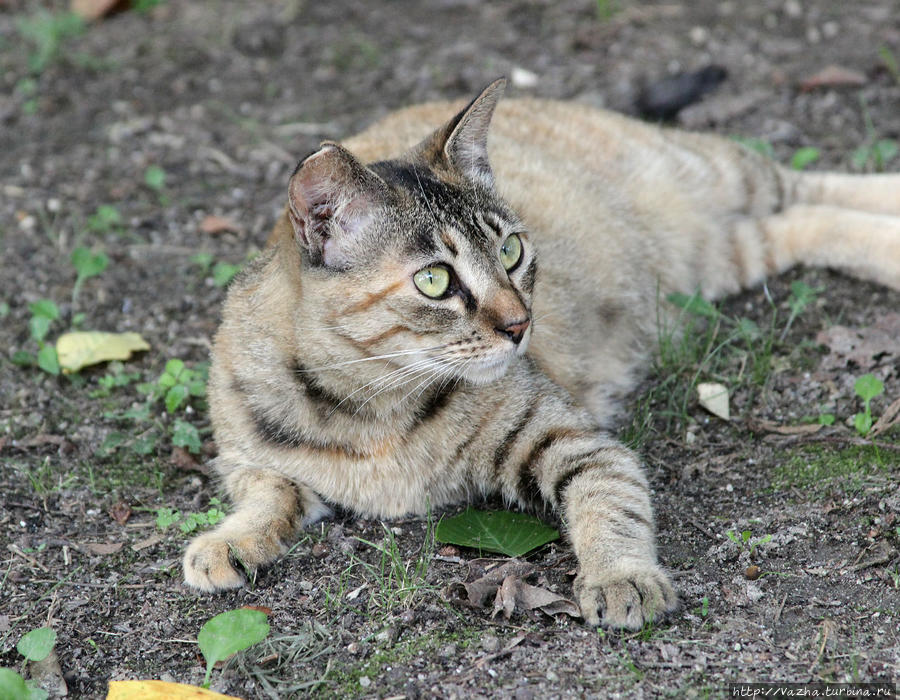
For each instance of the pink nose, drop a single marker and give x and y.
(514, 331)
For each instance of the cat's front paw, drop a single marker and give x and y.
(211, 565)
(625, 594)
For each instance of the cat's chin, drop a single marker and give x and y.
(488, 370)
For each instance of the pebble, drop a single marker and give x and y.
(552, 677)
(365, 681)
(490, 643)
(523, 78)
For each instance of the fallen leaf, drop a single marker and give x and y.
(82, 348)
(833, 76)
(95, 9)
(146, 542)
(103, 547)
(888, 419)
(48, 675)
(160, 690)
(120, 512)
(261, 608)
(185, 461)
(213, 224)
(769, 426)
(714, 398)
(515, 593)
(483, 584)
(864, 347)
(40, 440)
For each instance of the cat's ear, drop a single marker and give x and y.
(462, 142)
(332, 198)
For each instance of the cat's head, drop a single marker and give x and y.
(418, 258)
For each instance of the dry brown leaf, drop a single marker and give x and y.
(864, 347)
(147, 542)
(185, 461)
(103, 548)
(482, 583)
(769, 426)
(213, 224)
(833, 76)
(120, 512)
(505, 601)
(888, 419)
(48, 675)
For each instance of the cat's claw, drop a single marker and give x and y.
(210, 565)
(625, 596)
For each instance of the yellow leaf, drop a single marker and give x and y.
(81, 348)
(160, 690)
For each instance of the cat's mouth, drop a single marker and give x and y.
(485, 370)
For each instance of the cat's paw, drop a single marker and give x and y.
(211, 565)
(625, 595)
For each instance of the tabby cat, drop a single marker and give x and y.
(428, 325)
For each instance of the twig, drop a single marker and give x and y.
(31, 560)
(882, 559)
(780, 608)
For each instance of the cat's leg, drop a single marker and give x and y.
(269, 510)
(549, 452)
(875, 194)
(866, 245)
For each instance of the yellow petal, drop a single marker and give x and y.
(714, 398)
(160, 690)
(81, 348)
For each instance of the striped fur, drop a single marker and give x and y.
(334, 380)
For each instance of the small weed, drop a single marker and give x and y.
(804, 157)
(202, 260)
(606, 9)
(890, 62)
(145, 6)
(818, 468)
(116, 378)
(802, 295)
(704, 606)
(875, 153)
(228, 633)
(224, 272)
(46, 32)
(43, 314)
(167, 517)
(155, 178)
(178, 383)
(745, 540)
(867, 387)
(87, 264)
(37, 644)
(761, 146)
(399, 581)
(106, 219)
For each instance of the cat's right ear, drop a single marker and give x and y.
(332, 198)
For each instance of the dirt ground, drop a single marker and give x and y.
(225, 97)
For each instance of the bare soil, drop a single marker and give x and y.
(225, 97)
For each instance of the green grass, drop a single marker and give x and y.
(821, 468)
(46, 33)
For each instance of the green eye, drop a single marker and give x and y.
(432, 281)
(511, 252)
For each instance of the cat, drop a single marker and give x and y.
(428, 325)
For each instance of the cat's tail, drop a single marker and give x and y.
(848, 222)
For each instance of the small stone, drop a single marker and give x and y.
(752, 572)
(353, 648)
(490, 643)
(365, 681)
(319, 550)
(552, 677)
(699, 35)
(523, 78)
(793, 9)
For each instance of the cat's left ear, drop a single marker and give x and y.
(463, 140)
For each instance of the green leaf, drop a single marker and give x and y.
(112, 442)
(166, 517)
(174, 367)
(868, 386)
(512, 534)
(175, 397)
(44, 308)
(155, 178)
(88, 264)
(37, 644)
(223, 273)
(826, 419)
(805, 156)
(39, 327)
(202, 260)
(185, 435)
(4, 309)
(144, 445)
(884, 151)
(863, 423)
(693, 304)
(23, 358)
(104, 219)
(12, 685)
(745, 536)
(761, 146)
(801, 296)
(860, 157)
(228, 633)
(48, 360)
